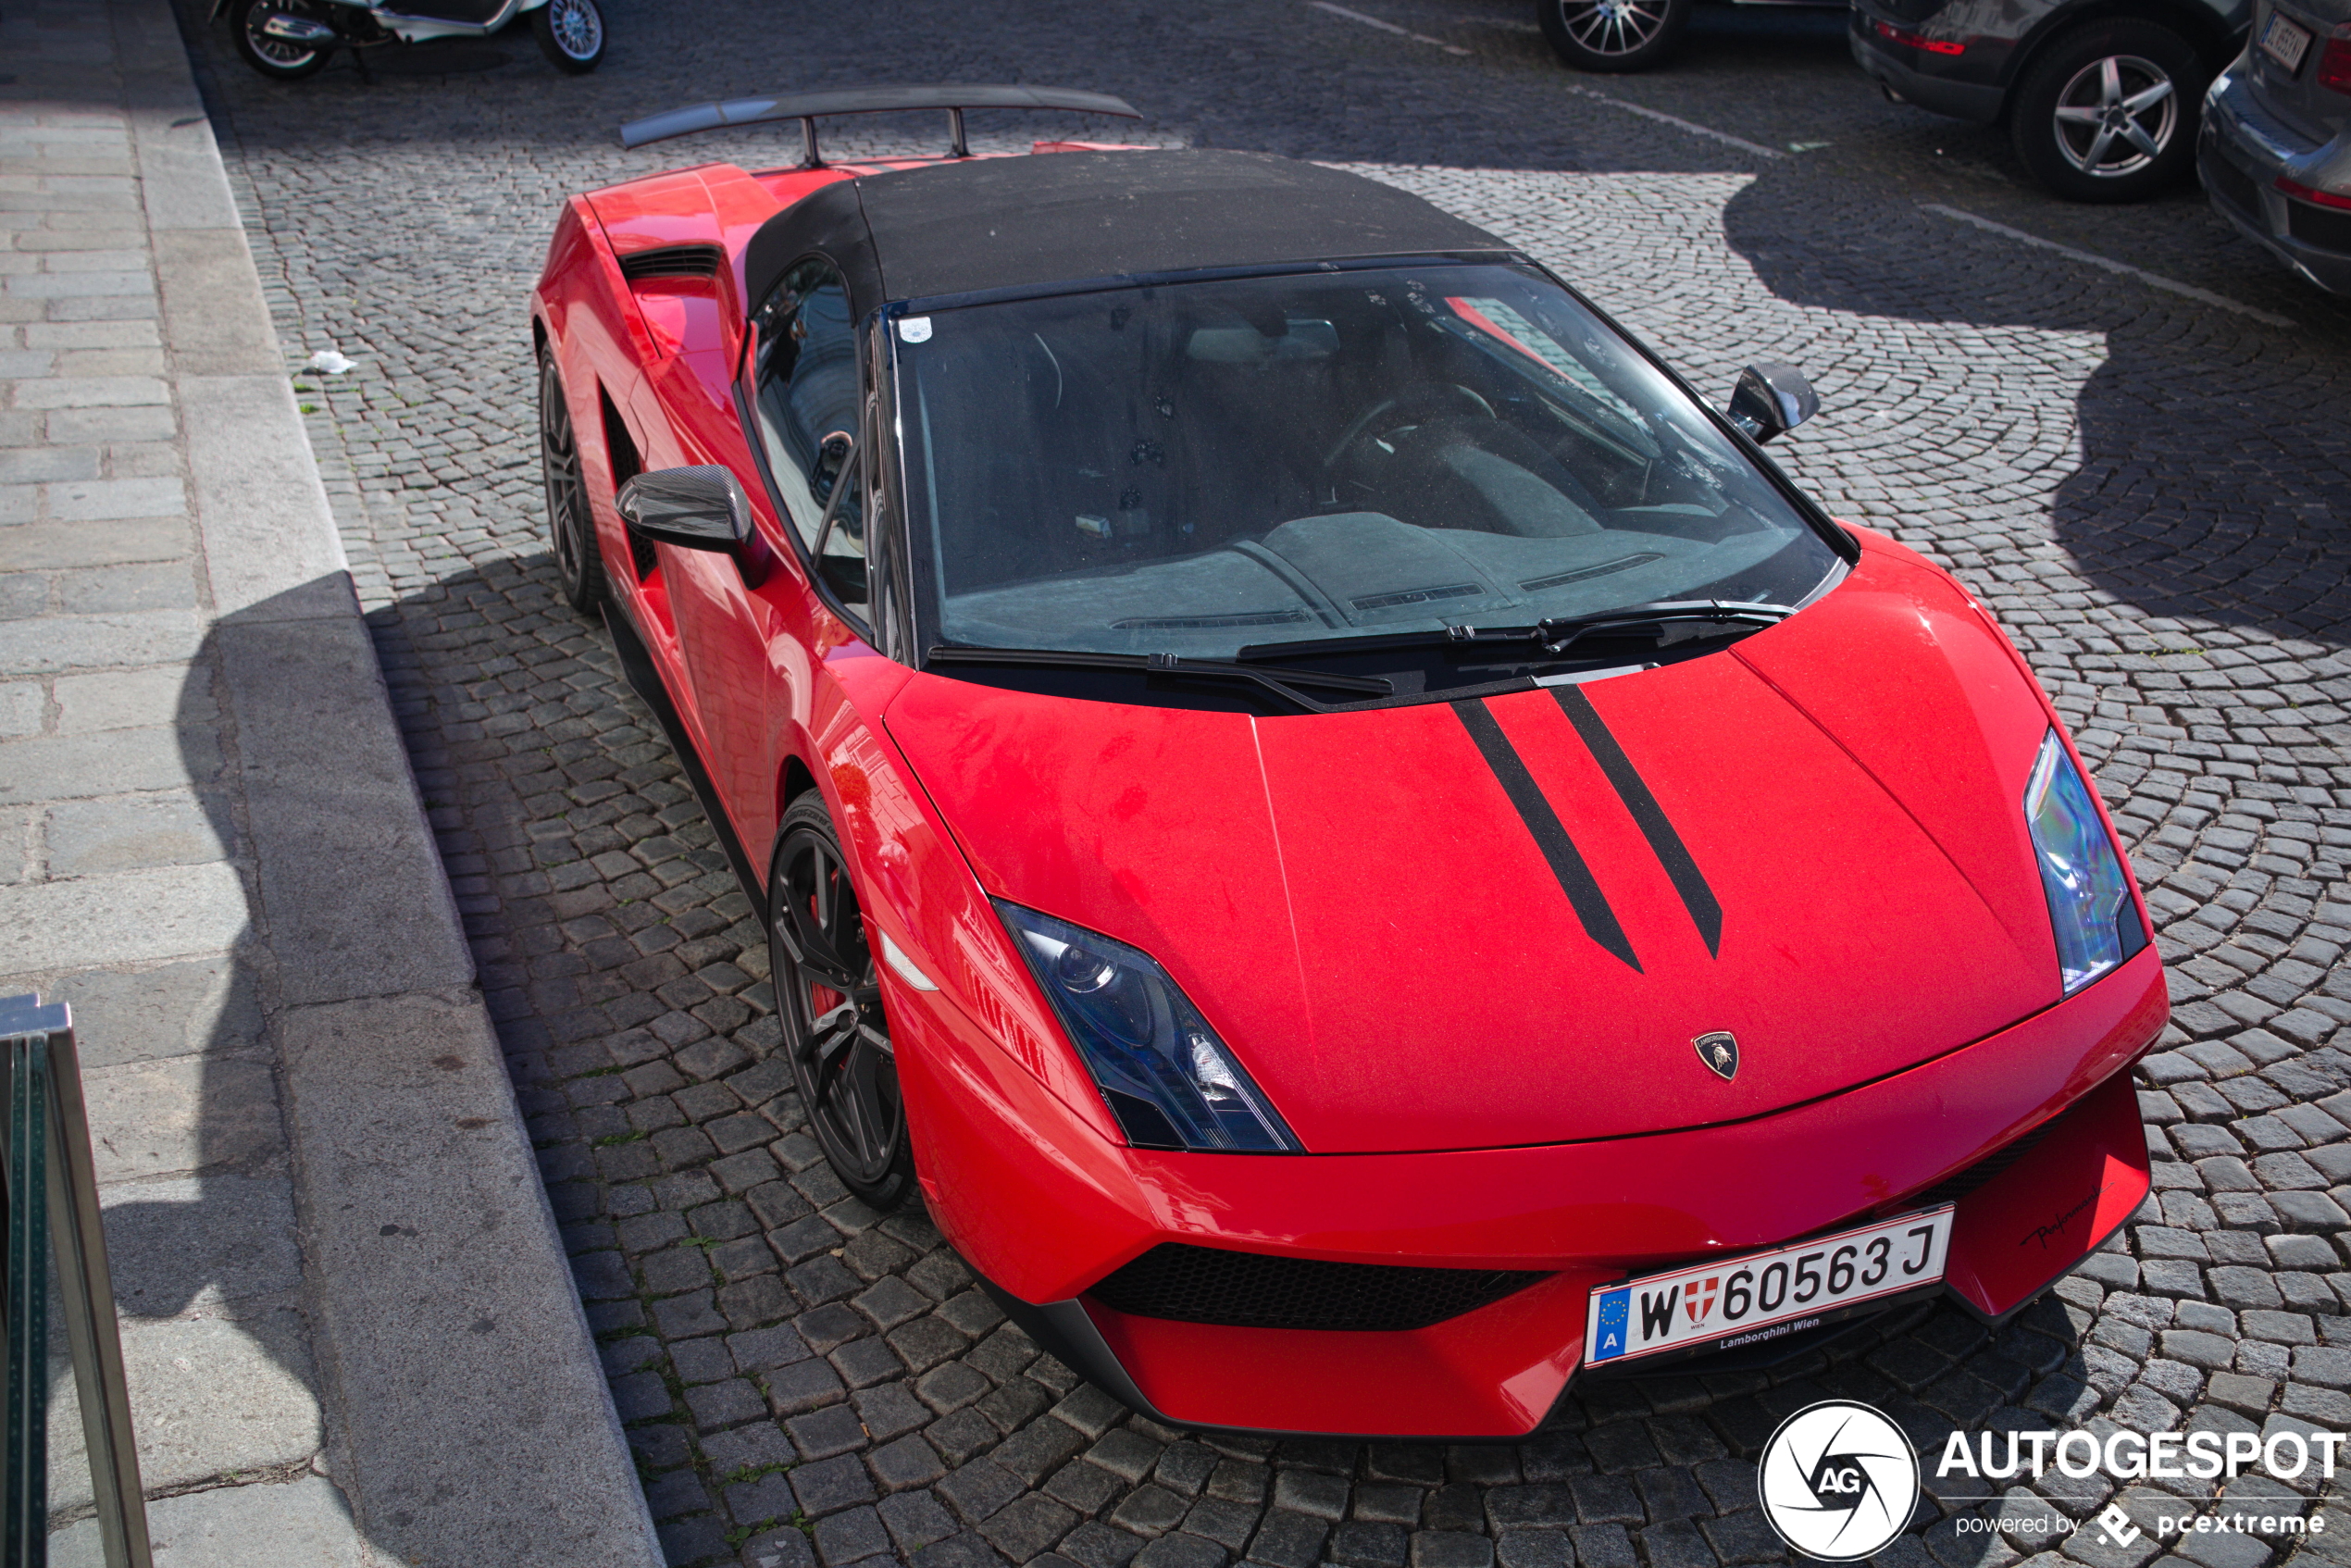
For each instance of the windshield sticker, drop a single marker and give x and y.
(1497, 319)
(915, 329)
(1481, 315)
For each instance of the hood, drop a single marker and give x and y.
(1506, 921)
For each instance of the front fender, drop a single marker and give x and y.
(916, 887)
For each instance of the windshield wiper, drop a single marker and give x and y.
(1557, 636)
(1552, 636)
(1281, 680)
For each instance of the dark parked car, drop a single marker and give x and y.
(2099, 96)
(2276, 148)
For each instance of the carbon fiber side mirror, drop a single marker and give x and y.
(1772, 398)
(697, 508)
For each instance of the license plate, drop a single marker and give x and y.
(1734, 1301)
(2285, 42)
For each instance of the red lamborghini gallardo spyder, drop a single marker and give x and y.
(1364, 848)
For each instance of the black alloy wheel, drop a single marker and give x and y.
(2108, 113)
(571, 34)
(571, 527)
(282, 58)
(828, 998)
(1612, 35)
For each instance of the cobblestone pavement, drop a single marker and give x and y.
(2148, 488)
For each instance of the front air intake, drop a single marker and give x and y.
(1253, 1290)
(1953, 1187)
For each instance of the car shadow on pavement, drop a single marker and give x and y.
(2206, 479)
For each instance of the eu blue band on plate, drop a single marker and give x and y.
(1615, 1310)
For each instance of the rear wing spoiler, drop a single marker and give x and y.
(805, 107)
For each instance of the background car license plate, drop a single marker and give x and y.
(1732, 1298)
(2285, 42)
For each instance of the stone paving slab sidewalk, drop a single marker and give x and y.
(350, 1335)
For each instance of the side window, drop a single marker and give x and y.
(841, 541)
(807, 388)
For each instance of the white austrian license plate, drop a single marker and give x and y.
(2285, 42)
(1734, 1301)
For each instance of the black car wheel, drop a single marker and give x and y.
(571, 34)
(1612, 34)
(2108, 113)
(828, 998)
(571, 527)
(281, 57)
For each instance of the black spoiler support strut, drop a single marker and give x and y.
(805, 107)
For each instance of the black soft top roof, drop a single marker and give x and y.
(996, 223)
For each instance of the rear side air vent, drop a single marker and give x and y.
(672, 261)
(626, 466)
(1252, 1290)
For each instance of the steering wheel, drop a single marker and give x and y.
(1415, 407)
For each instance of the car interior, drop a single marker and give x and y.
(1189, 464)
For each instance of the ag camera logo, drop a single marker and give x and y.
(1838, 1481)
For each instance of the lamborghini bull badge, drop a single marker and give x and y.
(1720, 1052)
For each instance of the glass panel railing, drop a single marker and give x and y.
(69, 1494)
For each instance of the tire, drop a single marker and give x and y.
(571, 34)
(1612, 35)
(571, 524)
(828, 1000)
(273, 57)
(2072, 121)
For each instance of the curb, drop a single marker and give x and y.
(470, 1421)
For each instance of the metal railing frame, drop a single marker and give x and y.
(52, 1204)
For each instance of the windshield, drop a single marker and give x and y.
(1199, 466)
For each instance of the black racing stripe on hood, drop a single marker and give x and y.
(1706, 910)
(1550, 836)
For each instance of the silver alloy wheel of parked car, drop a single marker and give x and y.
(1612, 35)
(571, 34)
(578, 26)
(1615, 27)
(2116, 115)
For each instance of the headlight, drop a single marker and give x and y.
(2097, 925)
(1163, 1072)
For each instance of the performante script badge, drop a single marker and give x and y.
(1720, 1053)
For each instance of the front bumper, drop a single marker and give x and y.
(1043, 1208)
(2243, 150)
(1925, 80)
